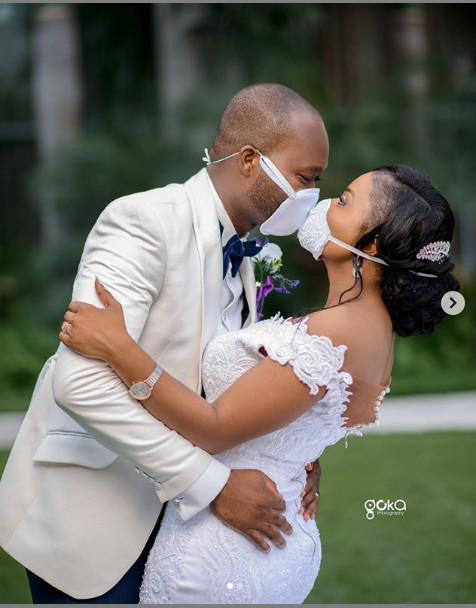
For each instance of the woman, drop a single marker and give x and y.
(281, 390)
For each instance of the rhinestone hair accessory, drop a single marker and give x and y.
(435, 252)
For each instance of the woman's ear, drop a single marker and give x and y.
(371, 248)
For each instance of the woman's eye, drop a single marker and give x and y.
(341, 200)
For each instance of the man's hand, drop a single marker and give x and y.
(310, 502)
(251, 504)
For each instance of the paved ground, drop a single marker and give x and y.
(419, 413)
(452, 411)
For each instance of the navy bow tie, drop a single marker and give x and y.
(234, 252)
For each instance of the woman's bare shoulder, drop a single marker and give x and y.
(349, 321)
(335, 323)
(367, 335)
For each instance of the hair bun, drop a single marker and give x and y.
(414, 302)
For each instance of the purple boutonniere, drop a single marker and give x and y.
(266, 265)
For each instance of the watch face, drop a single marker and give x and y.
(140, 390)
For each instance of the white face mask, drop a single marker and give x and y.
(293, 211)
(315, 233)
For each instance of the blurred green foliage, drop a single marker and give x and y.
(25, 348)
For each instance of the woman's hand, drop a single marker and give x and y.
(94, 332)
(310, 494)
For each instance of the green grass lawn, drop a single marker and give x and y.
(427, 555)
(13, 582)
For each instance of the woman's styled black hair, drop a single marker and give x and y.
(408, 212)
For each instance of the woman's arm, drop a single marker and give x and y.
(267, 397)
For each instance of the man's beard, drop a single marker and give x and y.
(262, 198)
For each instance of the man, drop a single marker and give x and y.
(80, 496)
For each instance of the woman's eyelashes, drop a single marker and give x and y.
(341, 200)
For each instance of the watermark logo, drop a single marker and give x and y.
(384, 507)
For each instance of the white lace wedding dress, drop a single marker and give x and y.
(204, 561)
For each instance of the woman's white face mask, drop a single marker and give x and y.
(293, 211)
(315, 233)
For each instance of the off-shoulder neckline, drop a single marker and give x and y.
(303, 322)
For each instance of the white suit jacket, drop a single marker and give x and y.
(74, 508)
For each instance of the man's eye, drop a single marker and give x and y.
(308, 180)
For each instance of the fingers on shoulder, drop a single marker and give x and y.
(77, 306)
(64, 338)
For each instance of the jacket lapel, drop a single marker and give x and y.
(208, 238)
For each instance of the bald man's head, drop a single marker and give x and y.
(261, 115)
(274, 121)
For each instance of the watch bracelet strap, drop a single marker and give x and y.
(155, 375)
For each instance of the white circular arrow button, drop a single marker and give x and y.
(452, 303)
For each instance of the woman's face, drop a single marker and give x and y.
(347, 215)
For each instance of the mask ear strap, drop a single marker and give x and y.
(375, 259)
(266, 164)
(357, 251)
(275, 174)
(206, 158)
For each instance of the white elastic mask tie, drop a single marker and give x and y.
(357, 251)
(275, 174)
(206, 159)
(266, 164)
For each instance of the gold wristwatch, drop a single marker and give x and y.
(142, 389)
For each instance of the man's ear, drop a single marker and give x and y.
(371, 248)
(248, 161)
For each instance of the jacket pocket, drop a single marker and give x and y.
(65, 441)
(75, 448)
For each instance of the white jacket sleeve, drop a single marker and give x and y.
(127, 250)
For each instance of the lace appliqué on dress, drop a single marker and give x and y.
(315, 359)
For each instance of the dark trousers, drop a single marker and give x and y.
(126, 591)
